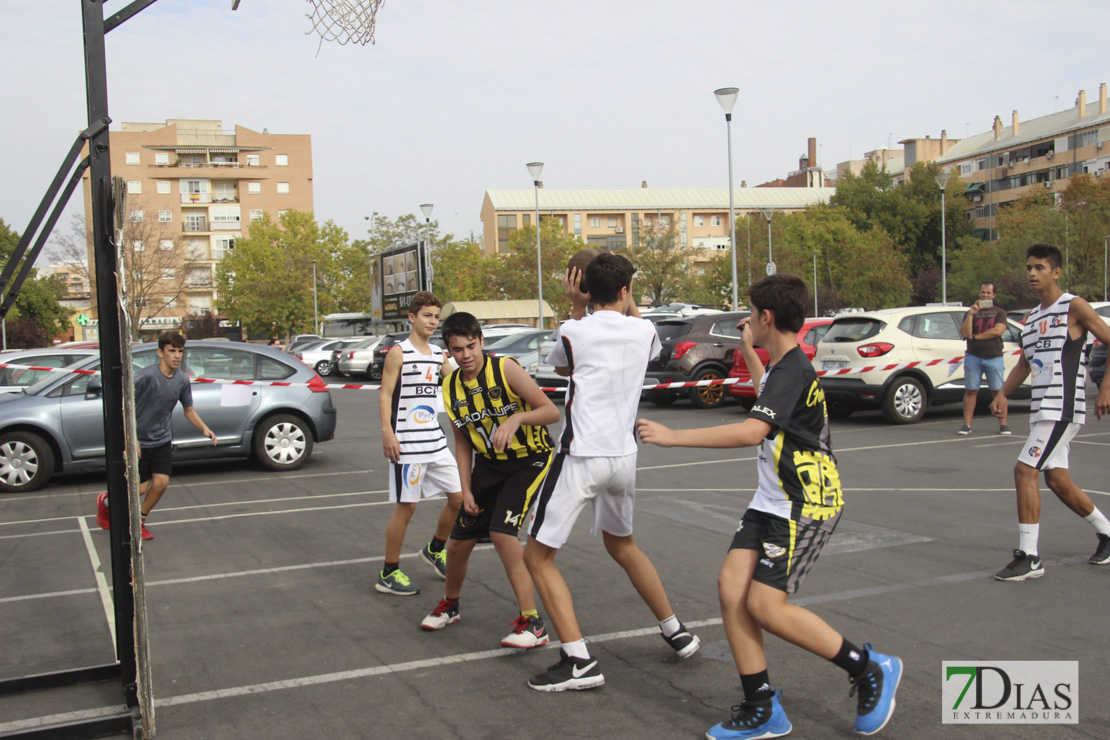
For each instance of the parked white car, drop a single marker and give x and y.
(318, 354)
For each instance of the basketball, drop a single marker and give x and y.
(580, 260)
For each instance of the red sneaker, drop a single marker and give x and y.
(146, 533)
(102, 509)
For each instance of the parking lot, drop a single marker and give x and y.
(264, 622)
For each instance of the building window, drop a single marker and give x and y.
(137, 216)
(221, 246)
(225, 214)
(196, 249)
(134, 187)
(169, 301)
(527, 220)
(1087, 138)
(167, 273)
(282, 212)
(699, 220)
(162, 158)
(132, 158)
(614, 243)
(165, 216)
(647, 221)
(166, 245)
(281, 160)
(253, 160)
(255, 188)
(505, 225)
(283, 188)
(612, 222)
(965, 168)
(595, 222)
(578, 224)
(137, 245)
(163, 187)
(256, 214)
(665, 221)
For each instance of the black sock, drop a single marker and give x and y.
(852, 659)
(436, 545)
(389, 568)
(757, 686)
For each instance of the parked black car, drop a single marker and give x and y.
(695, 348)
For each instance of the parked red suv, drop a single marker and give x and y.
(808, 337)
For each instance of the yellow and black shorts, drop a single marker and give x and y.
(504, 490)
(787, 549)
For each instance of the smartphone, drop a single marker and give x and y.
(986, 304)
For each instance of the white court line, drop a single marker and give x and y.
(101, 581)
(326, 678)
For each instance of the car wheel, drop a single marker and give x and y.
(26, 462)
(283, 442)
(904, 402)
(373, 374)
(708, 396)
(662, 398)
(323, 367)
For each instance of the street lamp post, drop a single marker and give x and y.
(426, 209)
(315, 306)
(726, 96)
(815, 314)
(942, 183)
(535, 169)
(370, 257)
(767, 213)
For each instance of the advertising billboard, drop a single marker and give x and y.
(402, 271)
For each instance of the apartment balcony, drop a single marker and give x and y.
(196, 198)
(225, 225)
(200, 284)
(195, 226)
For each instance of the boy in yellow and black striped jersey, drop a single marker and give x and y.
(498, 412)
(795, 509)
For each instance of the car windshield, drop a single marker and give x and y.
(671, 330)
(853, 330)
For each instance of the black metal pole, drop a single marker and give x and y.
(100, 179)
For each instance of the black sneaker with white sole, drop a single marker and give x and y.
(1022, 568)
(569, 673)
(684, 642)
(1102, 554)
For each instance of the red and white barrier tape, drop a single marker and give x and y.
(318, 384)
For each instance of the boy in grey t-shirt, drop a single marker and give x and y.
(158, 389)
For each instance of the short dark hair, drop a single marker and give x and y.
(170, 337)
(461, 324)
(784, 295)
(606, 274)
(423, 299)
(1045, 252)
(994, 288)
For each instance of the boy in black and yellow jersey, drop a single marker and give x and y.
(498, 412)
(792, 515)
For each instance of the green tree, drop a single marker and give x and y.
(661, 264)
(462, 273)
(515, 274)
(266, 281)
(37, 316)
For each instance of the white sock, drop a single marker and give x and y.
(576, 649)
(670, 625)
(1027, 538)
(1099, 521)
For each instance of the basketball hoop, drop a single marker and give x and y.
(343, 21)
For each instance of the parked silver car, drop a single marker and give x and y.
(13, 380)
(318, 354)
(356, 359)
(57, 424)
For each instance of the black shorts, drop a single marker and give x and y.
(504, 490)
(788, 549)
(155, 460)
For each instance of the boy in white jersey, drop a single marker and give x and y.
(1052, 351)
(606, 357)
(420, 463)
(792, 515)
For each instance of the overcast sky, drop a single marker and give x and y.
(455, 97)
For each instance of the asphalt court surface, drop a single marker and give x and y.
(264, 622)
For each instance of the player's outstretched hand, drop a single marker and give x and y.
(999, 406)
(654, 433)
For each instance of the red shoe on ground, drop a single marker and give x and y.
(146, 533)
(102, 509)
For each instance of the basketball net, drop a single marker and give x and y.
(343, 21)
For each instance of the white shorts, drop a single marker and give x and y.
(609, 482)
(409, 482)
(1048, 444)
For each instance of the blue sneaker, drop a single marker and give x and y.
(876, 687)
(753, 719)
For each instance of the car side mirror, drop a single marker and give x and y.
(94, 388)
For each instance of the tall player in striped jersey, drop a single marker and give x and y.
(420, 463)
(1052, 352)
(500, 413)
(794, 511)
